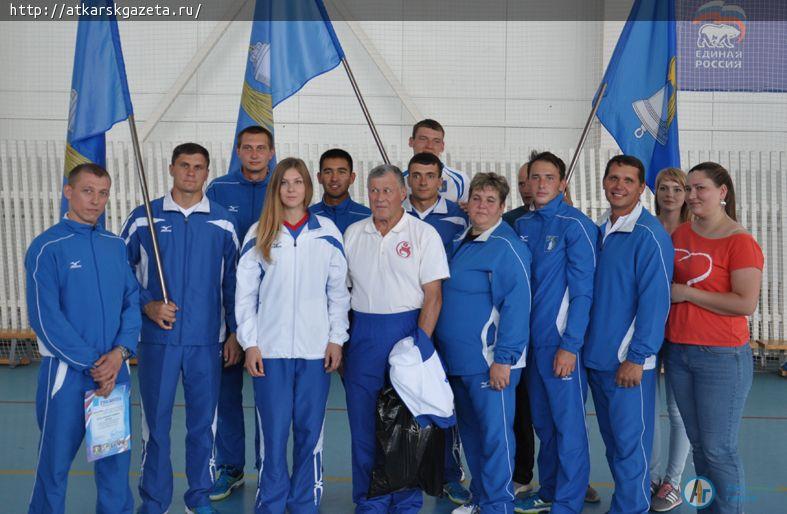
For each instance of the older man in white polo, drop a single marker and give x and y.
(396, 263)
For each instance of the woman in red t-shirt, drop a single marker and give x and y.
(718, 269)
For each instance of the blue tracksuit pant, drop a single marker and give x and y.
(625, 419)
(231, 430)
(60, 409)
(372, 336)
(160, 368)
(558, 413)
(486, 426)
(293, 393)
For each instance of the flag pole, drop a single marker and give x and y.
(365, 110)
(143, 183)
(584, 136)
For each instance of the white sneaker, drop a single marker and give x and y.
(467, 508)
(523, 488)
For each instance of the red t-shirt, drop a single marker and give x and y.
(706, 264)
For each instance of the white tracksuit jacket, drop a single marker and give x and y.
(293, 306)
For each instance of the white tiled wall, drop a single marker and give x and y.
(495, 84)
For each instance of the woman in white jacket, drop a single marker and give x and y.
(291, 304)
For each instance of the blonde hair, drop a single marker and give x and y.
(679, 176)
(272, 215)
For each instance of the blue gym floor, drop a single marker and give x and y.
(763, 444)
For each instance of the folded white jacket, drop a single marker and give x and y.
(418, 376)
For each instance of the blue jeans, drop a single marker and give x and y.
(679, 446)
(711, 384)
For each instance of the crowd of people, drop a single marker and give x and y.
(527, 309)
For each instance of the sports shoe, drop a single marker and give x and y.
(467, 508)
(531, 504)
(523, 488)
(457, 493)
(667, 498)
(654, 488)
(205, 509)
(225, 482)
(783, 370)
(591, 496)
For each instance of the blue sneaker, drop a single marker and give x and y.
(467, 508)
(531, 504)
(226, 480)
(457, 493)
(205, 509)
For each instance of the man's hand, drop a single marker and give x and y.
(333, 357)
(254, 362)
(162, 314)
(106, 368)
(233, 353)
(564, 363)
(629, 374)
(105, 388)
(499, 376)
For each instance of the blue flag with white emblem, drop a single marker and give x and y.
(292, 41)
(99, 90)
(639, 107)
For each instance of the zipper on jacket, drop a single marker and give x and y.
(294, 291)
(182, 307)
(251, 207)
(98, 284)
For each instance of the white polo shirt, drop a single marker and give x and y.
(387, 272)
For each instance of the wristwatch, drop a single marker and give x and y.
(124, 352)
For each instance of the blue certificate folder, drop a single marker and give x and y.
(107, 424)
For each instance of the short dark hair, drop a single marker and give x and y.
(336, 153)
(254, 129)
(87, 167)
(551, 158)
(430, 124)
(627, 160)
(491, 180)
(427, 159)
(190, 149)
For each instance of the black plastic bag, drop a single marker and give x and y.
(408, 456)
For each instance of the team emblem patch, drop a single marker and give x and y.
(404, 250)
(551, 243)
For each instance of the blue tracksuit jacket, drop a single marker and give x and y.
(82, 297)
(486, 303)
(342, 215)
(562, 242)
(199, 255)
(631, 298)
(242, 197)
(446, 217)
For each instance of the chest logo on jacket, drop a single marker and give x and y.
(75, 265)
(233, 208)
(551, 243)
(404, 250)
(165, 229)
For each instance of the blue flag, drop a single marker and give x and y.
(99, 90)
(639, 107)
(292, 41)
